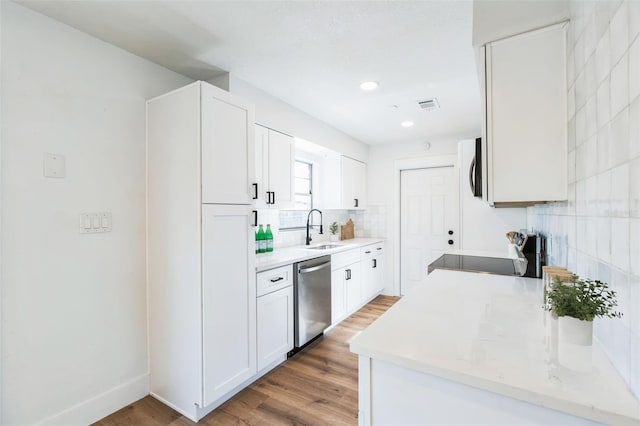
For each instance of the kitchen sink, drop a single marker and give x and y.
(325, 247)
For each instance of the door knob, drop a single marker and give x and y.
(450, 232)
(450, 242)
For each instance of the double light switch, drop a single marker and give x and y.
(92, 223)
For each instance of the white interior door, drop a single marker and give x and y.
(428, 220)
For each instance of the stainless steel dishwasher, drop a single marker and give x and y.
(312, 299)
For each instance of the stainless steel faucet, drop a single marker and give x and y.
(309, 216)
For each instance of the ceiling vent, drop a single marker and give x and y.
(429, 104)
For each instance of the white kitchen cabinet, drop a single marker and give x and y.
(274, 167)
(275, 316)
(228, 295)
(228, 173)
(525, 145)
(200, 248)
(346, 294)
(354, 184)
(372, 270)
(353, 287)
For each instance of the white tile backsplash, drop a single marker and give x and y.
(634, 128)
(604, 194)
(619, 146)
(603, 238)
(634, 249)
(620, 85)
(634, 69)
(604, 148)
(596, 233)
(603, 58)
(620, 191)
(634, 189)
(620, 247)
(603, 106)
(619, 33)
(634, 20)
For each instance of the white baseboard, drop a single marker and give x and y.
(102, 405)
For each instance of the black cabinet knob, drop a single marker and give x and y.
(450, 232)
(450, 242)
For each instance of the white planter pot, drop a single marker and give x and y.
(334, 238)
(573, 330)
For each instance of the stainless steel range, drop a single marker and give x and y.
(487, 265)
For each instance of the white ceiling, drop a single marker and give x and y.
(312, 55)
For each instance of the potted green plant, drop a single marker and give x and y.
(333, 229)
(576, 303)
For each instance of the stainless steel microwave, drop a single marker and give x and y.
(475, 170)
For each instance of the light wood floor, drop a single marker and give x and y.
(317, 386)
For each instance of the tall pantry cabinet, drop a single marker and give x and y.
(200, 247)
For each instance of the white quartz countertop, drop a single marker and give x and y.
(489, 331)
(288, 255)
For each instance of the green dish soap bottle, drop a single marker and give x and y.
(268, 236)
(262, 243)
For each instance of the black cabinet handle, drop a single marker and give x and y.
(255, 191)
(379, 248)
(450, 232)
(348, 274)
(367, 252)
(375, 263)
(273, 201)
(355, 202)
(450, 242)
(255, 218)
(275, 280)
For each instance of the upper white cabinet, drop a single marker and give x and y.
(354, 183)
(525, 140)
(228, 173)
(274, 166)
(201, 253)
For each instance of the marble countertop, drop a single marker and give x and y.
(490, 332)
(288, 255)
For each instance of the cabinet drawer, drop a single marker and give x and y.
(274, 279)
(372, 250)
(342, 259)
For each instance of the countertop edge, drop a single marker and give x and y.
(530, 396)
(302, 255)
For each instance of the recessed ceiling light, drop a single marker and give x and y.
(407, 123)
(369, 85)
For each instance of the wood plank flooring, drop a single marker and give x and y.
(318, 386)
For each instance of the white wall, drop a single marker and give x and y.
(74, 306)
(276, 114)
(495, 19)
(382, 185)
(482, 227)
(596, 234)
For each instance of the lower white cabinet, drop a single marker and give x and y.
(353, 287)
(228, 292)
(345, 291)
(357, 276)
(274, 315)
(372, 270)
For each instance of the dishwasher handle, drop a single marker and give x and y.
(314, 268)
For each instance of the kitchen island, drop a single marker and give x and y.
(469, 348)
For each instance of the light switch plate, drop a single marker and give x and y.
(95, 223)
(54, 165)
